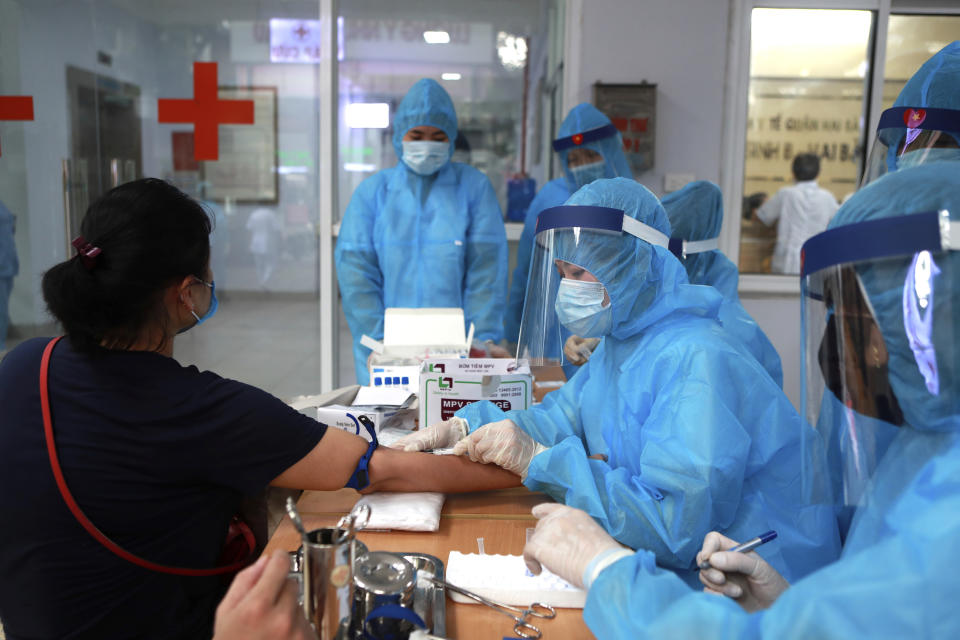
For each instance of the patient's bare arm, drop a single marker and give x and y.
(331, 463)
(392, 470)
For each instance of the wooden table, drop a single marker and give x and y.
(501, 518)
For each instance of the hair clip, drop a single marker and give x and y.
(87, 252)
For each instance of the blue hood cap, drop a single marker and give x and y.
(645, 282)
(586, 117)
(696, 211)
(426, 104)
(935, 85)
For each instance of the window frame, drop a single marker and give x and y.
(735, 108)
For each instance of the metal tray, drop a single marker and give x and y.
(429, 599)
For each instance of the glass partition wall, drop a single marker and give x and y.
(101, 78)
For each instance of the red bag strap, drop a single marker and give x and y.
(85, 522)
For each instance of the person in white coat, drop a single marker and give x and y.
(800, 211)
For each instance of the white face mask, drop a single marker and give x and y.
(425, 157)
(580, 308)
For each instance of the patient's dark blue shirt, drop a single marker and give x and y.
(158, 456)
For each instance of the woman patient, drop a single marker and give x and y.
(156, 454)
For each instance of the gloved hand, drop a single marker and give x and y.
(503, 443)
(437, 436)
(571, 544)
(578, 350)
(745, 577)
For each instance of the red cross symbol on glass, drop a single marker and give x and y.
(301, 31)
(206, 111)
(16, 108)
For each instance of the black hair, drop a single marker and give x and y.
(806, 166)
(150, 235)
(752, 202)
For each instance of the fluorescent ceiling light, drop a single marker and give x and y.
(359, 166)
(436, 37)
(367, 115)
(450, 76)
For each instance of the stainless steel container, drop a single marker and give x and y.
(382, 578)
(327, 561)
(296, 570)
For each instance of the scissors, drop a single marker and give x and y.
(519, 616)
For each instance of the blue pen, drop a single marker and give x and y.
(749, 545)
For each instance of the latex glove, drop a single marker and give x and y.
(261, 604)
(578, 350)
(437, 436)
(502, 443)
(745, 577)
(571, 544)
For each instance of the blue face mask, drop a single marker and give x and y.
(212, 309)
(926, 156)
(587, 173)
(425, 157)
(580, 308)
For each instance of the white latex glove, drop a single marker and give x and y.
(261, 604)
(437, 436)
(745, 577)
(502, 443)
(578, 350)
(570, 544)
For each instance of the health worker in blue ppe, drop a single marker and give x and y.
(696, 215)
(425, 233)
(589, 148)
(881, 288)
(671, 428)
(923, 125)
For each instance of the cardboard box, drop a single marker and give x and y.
(547, 379)
(386, 408)
(409, 337)
(448, 385)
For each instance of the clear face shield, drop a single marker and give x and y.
(872, 295)
(908, 137)
(566, 292)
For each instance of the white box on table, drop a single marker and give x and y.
(449, 384)
(409, 337)
(338, 408)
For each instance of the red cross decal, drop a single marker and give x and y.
(301, 31)
(578, 139)
(206, 111)
(16, 108)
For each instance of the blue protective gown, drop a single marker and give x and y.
(9, 267)
(413, 241)
(697, 436)
(696, 213)
(896, 576)
(583, 117)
